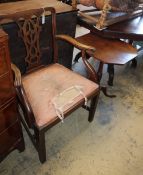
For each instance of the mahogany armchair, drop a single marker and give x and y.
(43, 88)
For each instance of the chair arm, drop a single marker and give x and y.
(17, 75)
(75, 42)
(84, 48)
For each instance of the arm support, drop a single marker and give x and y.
(84, 48)
(17, 75)
(73, 41)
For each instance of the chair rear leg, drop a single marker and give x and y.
(21, 146)
(41, 148)
(93, 106)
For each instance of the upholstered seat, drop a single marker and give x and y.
(42, 85)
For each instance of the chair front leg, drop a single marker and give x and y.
(93, 106)
(40, 143)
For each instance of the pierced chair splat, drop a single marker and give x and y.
(41, 83)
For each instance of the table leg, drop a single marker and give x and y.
(111, 74)
(103, 88)
(100, 70)
(134, 63)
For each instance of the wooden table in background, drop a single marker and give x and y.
(130, 29)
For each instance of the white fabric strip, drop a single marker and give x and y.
(65, 98)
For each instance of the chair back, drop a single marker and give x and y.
(30, 25)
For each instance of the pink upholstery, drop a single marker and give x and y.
(43, 85)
